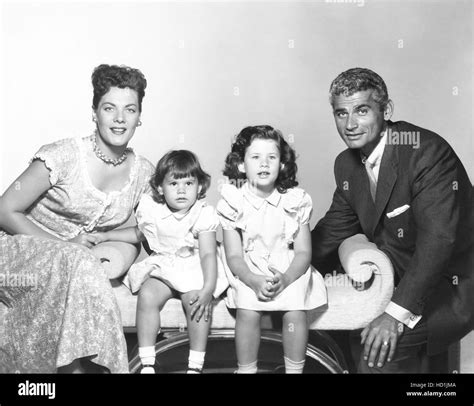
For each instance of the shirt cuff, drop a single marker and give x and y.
(402, 315)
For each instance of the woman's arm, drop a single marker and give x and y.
(19, 196)
(300, 263)
(235, 260)
(131, 235)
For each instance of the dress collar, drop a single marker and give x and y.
(257, 201)
(166, 212)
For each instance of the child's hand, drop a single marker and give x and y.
(280, 281)
(201, 300)
(262, 286)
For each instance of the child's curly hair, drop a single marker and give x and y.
(287, 176)
(179, 164)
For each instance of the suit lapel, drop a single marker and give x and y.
(386, 181)
(362, 200)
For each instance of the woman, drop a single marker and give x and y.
(64, 315)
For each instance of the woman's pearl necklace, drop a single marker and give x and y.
(99, 154)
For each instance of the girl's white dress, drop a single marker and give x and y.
(173, 238)
(268, 228)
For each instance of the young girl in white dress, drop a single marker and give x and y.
(268, 245)
(180, 229)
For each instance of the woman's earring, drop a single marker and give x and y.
(139, 123)
(94, 119)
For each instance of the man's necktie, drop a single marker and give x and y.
(369, 167)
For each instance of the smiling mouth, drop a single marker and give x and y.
(263, 174)
(353, 135)
(118, 130)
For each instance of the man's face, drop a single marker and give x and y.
(359, 119)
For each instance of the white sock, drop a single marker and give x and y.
(195, 361)
(247, 368)
(293, 367)
(147, 355)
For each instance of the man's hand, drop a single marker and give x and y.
(201, 300)
(380, 338)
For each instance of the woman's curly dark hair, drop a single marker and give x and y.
(106, 76)
(179, 164)
(287, 176)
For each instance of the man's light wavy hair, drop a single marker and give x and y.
(356, 80)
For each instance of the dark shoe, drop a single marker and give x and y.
(93, 368)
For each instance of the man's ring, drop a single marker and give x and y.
(385, 343)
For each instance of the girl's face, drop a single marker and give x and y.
(261, 166)
(180, 194)
(117, 116)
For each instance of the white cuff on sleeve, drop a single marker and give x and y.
(402, 315)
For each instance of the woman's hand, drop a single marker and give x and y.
(100, 237)
(262, 286)
(280, 281)
(201, 302)
(89, 240)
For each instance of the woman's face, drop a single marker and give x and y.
(117, 116)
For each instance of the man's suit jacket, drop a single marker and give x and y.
(430, 244)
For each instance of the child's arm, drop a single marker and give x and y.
(131, 235)
(208, 255)
(233, 250)
(300, 263)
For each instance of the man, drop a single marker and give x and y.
(407, 191)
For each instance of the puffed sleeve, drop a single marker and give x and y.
(145, 216)
(305, 209)
(229, 207)
(57, 157)
(207, 221)
(298, 207)
(148, 171)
